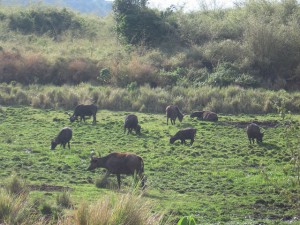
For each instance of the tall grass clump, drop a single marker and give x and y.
(15, 185)
(120, 209)
(64, 200)
(15, 207)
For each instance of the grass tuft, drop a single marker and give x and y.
(15, 185)
(64, 200)
(124, 209)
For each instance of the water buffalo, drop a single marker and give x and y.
(182, 135)
(205, 115)
(84, 110)
(63, 137)
(253, 132)
(131, 123)
(172, 112)
(120, 163)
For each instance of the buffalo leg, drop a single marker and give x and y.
(192, 141)
(94, 119)
(119, 180)
(69, 144)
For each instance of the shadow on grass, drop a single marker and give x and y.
(269, 146)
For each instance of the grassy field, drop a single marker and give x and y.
(220, 179)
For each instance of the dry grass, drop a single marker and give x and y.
(232, 99)
(116, 210)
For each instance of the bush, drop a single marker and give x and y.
(50, 21)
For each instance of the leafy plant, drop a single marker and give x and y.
(187, 220)
(104, 76)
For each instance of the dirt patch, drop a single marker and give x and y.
(47, 187)
(244, 124)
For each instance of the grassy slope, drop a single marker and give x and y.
(221, 178)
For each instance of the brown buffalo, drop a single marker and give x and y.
(182, 135)
(120, 163)
(172, 112)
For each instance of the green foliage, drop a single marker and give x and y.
(226, 74)
(49, 21)
(104, 76)
(133, 86)
(137, 24)
(187, 220)
(260, 38)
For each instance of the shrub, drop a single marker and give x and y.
(104, 76)
(51, 21)
(224, 75)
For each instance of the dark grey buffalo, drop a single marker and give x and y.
(132, 123)
(120, 163)
(84, 110)
(182, 135)
(205, 115)
(63, 138)
(253, 132)
(173, 112)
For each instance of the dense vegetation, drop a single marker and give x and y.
(230, 100)
(255, 44)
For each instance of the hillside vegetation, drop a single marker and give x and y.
(255, 44)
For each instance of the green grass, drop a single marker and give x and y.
(220, 179)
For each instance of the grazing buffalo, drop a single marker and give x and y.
(253, 132)
(64, 137)
(120, 163)
(172, 112)
(182, 135)
(131, 123)
(84, 110)
(205, 115)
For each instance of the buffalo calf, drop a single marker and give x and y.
(182, 135)
(63, 137)
(253, 132)
(131, 123)
(120, 163)
(84, 110)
